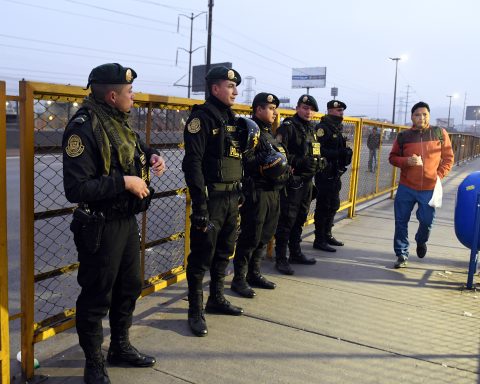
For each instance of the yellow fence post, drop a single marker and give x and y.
(355, 167)
(4, 334)
(27, 226)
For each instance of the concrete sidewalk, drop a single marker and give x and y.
(351, 318)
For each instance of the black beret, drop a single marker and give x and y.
(336, 104)
(309, 100)
(421, 104)
(111, 73)
(223, 73)
(265, 98)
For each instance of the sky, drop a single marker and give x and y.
(60, 41)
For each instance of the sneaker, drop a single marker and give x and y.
(421, 250)
(400, 263)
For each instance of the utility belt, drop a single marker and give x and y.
(122, 209)
(235, 186)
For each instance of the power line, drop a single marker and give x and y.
(90, 17)
(177, 9)
(129, 54)
(119, 12)
(73, 54)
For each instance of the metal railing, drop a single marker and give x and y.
(4, 323)
(48, 255)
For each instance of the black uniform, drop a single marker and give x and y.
(328, 183)
(109, 275)
(259, 213)
(213, 171)
(299, 138)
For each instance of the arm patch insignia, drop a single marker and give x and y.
(194, 125)
(74, 146)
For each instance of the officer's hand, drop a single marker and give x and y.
(136, 185)
(200, 220)
(157, 164)
(414, 161)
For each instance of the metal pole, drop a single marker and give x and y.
(449, 107)
(209, 43)
(396, 59)
(472, 268)
(190, 57)
(463, 110)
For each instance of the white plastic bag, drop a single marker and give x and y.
(436, 200)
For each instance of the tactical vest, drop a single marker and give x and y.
(222, 161)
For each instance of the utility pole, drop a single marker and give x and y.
(190, 51)
(249, 89)
(463, 111)
(209, 43)
(406, 104)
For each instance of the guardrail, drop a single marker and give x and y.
(48, 255)
(4, 335)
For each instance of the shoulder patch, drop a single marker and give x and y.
(194, 125)
(80, 119)
(320, 132)
(74, 146)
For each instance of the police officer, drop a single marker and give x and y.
(106, 171)
(328, 183)
(265, 174)
(213, 172)
(299, 138)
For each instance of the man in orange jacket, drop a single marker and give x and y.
(422, 153)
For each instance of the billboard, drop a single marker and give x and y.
(314, 77)
(198, 75)
(472, 112)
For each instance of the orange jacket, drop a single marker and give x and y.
(437, 158)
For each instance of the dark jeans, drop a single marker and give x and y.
(110, 281)
(371, 158)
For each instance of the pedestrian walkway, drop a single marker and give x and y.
(351, 318)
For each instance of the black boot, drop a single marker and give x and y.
(217, 303)
(196, 316)
(328, 233)
(122, 352)
(281, 262)
(239, 284)
(332, 241)
(323, 246)
(297, 257)
(259, 281)
(95, 371)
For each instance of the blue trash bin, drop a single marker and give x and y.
(465, 209)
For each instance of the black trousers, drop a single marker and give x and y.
(212, 249)
(110, 281)
(294, 209)
(328, 202)
(259, 218)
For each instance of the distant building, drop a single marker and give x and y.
(444, 123)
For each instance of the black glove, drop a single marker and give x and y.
(200, 220)
(307, 164)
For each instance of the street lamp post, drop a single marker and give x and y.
(449, 106)
(396, 59)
